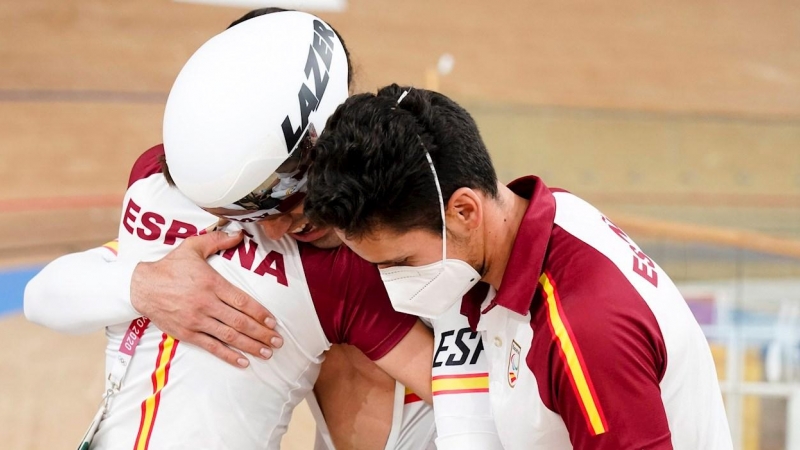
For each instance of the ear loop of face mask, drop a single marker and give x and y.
(438, 186)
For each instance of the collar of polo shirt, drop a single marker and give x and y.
(521, 277)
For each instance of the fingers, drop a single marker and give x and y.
(241, 322)
(185, 297)
(212, 242)
(239, 341)
(242, 331)
(218, 349)
(239, 300)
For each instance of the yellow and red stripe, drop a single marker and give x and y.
(460, 384)
(411, 397)
(113, 246)
(573, 360)
(160, 377)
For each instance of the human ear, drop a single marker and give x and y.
(465, 209)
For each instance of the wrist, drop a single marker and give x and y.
(134, 295)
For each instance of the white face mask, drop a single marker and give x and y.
(431, 290)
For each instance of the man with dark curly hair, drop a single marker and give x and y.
(589, 342)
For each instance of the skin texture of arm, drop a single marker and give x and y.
(409, 362)
(356, 398)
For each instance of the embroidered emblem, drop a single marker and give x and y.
(513, 363)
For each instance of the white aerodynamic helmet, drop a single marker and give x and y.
(246, 107)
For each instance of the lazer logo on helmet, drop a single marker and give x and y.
(322, 44)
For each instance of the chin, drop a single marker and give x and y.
(322, 238)
(327, 241)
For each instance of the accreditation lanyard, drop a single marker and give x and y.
(116, 375)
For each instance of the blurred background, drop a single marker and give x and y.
(680, 120)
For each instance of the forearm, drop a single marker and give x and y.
(460, 387)
(81, 293)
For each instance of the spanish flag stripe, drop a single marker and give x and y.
(411, 398)
(112, 245)
(570, 353)
(463, 375)
(583, 364)
(159, 378)
(141, 426)
(156, 402)
(453, 384)
(462, 391)
(143, 436)
(174, 346)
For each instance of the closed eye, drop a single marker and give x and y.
(392, 263)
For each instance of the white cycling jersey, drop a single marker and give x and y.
(177, 396)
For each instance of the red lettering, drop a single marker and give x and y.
(645, 267)
(642, 264)
(179, 230)
(151, 222)
(616, 229)
(247, 254)
(128, 218)
(278, 271)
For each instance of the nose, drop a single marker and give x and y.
(276, 228)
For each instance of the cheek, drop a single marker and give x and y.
(420, 248)
(272, 224)
(299, 218)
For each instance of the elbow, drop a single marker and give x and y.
(36, 308)
(32, 302)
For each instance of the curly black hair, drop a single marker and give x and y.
(369, 169)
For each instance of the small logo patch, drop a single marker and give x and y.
(513, 363)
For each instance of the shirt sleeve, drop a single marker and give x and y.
(85, 292)
(605, 366)
(351, 301)
(81, 292)
(460, 387)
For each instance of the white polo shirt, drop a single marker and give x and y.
(590, 344)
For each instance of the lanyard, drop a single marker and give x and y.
(126, 349)
(117, 374)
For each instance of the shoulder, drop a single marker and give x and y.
(337, 264)
(584, 291)
(351, 301)
(594, 321)
(148, 163)
(336, 275)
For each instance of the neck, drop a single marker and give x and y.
(501, 222)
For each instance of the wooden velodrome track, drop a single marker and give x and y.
(676, 109)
